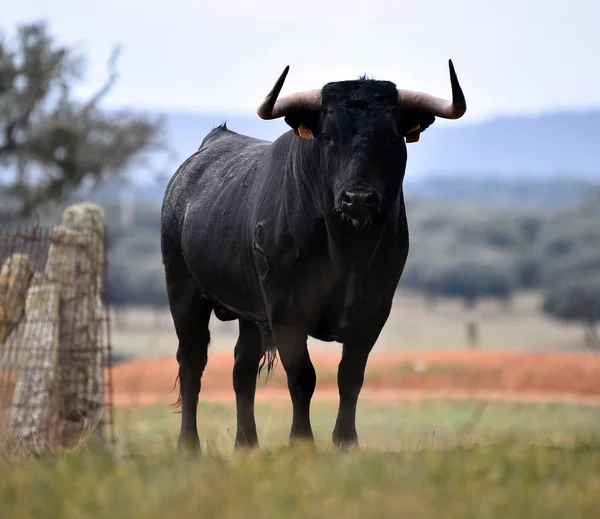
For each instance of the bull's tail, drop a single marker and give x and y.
(177, 403)
(269, 359)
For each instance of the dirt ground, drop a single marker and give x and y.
(390, 375)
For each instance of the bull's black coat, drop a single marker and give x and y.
(293, 238)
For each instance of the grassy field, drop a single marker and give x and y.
(392, 425)
(433, 458)
(411, 325)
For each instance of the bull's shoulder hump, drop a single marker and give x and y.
(223, 135)
(222, 151)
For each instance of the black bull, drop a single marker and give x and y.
(304, 236)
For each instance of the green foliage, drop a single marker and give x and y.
(455, 251)
(569, 245)
(470, 280)
(467, 252)
(575, 299)
(51, 144)
(581, 262)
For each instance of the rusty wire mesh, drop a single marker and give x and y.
(55, 352)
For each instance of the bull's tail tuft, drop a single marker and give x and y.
(177, 403)
(269, 359)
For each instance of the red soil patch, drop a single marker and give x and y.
(514, 374)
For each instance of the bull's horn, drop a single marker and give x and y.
(274, 108)
(434, 105)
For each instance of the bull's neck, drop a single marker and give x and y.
(303, 179)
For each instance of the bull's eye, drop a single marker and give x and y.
(326, 138)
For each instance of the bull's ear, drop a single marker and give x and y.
(413, 123)
(305, 123)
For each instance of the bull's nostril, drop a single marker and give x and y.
(358, 198)
(347, 197)
(358, 202)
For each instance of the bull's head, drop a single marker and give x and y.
(361, 128)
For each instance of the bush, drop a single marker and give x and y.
(470, 280)
(577, 299)
(581, 262)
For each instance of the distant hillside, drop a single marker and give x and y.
(561, 144)
(543, 146)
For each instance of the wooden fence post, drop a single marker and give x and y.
(32, 415)
(51, 340)
(75, 262)
(15, 276)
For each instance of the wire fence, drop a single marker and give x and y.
(55, 352)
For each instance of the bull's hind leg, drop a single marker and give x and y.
(248, 352)
(191, 314)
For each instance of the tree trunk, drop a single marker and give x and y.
(472, 334)
(472, 326)
(592, 340)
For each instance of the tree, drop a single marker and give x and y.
(577, 299)
(470, 280)
(51, 144)
(584, 261)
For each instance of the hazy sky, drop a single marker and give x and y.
(511, 56)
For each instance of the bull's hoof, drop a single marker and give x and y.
(302, 442)
(189, 445)
(345, 444)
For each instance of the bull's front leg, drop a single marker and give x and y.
(351, 374)
(301, 378)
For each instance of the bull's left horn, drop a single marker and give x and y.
(274, 108)
(435, 105)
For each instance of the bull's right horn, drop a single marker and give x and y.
(274, 108)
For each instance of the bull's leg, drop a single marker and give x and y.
(248, 352)
(351, 373)
(301, 377)
(191, 314)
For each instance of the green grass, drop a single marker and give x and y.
(433, 458)
(500, 480)
(393, 425)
